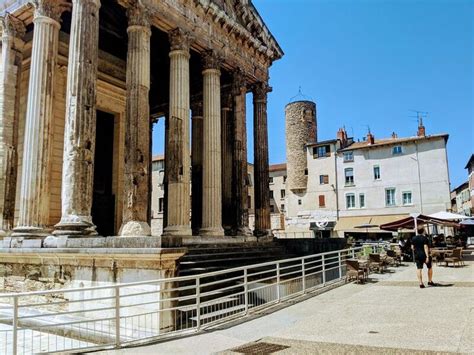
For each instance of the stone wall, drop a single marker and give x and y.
(300, 119)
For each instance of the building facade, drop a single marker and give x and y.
(470, 172)
(461, 199)
(81, 83)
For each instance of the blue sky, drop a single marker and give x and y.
(368, 63)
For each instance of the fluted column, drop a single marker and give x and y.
(137, 125)
(212, 183)
(13, 31)
(239, 157)
(260, 133)
(80, 121)
(33, 217)
(196, 161)
(178, 160)
(227, 138)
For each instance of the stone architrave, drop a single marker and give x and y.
(212, 168)
(137, 124)
(80, 121)
(13, 31)
(239, 168)
(33, 216)
(196, 161)
(227, 140)
(178, 159)
(260, 133)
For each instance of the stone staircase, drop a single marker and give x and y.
(204, 258)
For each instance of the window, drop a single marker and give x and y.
(284, 179)
(350, 201)
(272, 209)
(376, 172)
(348, 156)
(349, 174)
(322, 151)
(406, 196)
(249, 180)
(282, 193)
(323, 179)
(271, 193)
(322, 201)
(361, 200)
(249, 201)
(282, 208)
(390, 197)
(161, 204)
(299, 202)
(306, 171)
(270, 179)
(397, 149)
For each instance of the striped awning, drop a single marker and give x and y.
(350, 224)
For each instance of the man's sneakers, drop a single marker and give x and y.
(422, 286)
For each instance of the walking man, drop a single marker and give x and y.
(421, 251)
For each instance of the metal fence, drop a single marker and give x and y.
(101, 317)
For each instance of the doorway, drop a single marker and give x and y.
(103, 203)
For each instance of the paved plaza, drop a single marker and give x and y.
(390, 314)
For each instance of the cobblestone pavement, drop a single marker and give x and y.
(388, 315)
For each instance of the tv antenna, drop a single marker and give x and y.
(420, 115)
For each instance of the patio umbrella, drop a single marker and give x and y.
(467, 222)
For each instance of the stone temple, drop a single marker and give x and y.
(81, 84)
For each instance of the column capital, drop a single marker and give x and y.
(210, 60)
(180, 40)
(138, 15)
(51, 8)
(196, 108)
(12, 27)
(260, 91)
(239, 82)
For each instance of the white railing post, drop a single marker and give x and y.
(117, 316)
(323, 263)
(303, 274)
(340, 264)
(278, 281)
(246, 292)
(353, 253)
(15, 325)
(198, 302)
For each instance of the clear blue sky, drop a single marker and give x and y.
(368, 63)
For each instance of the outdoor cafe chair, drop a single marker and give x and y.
(354, 270)
(454, 258)
(377, 262)
(394, 257)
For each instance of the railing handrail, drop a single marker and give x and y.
(171, 279)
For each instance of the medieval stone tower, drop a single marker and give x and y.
(301, 128)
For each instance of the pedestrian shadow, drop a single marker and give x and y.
(443, 285)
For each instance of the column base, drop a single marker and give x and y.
(28, 232)
(212, 232)
(244, 231)
(75, 226)
(262, 233)
(135, 229)
(180, 231)
(3, 233)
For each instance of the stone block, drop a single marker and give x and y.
(86, 242)
(31, 243)
(6, 243)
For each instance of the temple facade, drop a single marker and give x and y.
(81, 84)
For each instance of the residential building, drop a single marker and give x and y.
(470, 171)
(461, 199)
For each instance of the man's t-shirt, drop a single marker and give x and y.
(419, 242)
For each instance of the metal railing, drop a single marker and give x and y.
(294, 235)
(110, 316)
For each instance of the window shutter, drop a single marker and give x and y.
(322, 201)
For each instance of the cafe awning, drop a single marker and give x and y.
(353, 224)
(421, 220)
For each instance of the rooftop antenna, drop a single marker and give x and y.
(419, 116)
(300, 96)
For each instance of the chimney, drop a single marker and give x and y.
(421, 129)
(342, 136)
(370, 138)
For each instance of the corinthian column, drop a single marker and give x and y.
(227, 139)
(262, 192)
(212, 173)
(137, 124)
(239, 157)
(13, 31)
(178, 160)
(197, 132)
(80, 121)
(33, 217)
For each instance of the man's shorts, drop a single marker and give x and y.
(421, 260)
